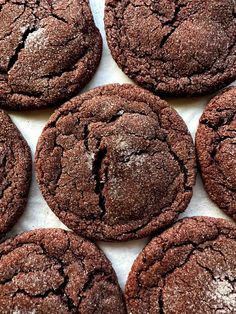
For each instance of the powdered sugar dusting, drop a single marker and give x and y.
(222, 292)
(90, 160)
(123, 146)
(130, 154)
(17, 311)
(24, 28)
(36, 39)
(223, 288)
(139, 160)
(120, 113)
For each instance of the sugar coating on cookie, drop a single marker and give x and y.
(190, 268)
(54, 271)
(116, 163)
(174, 47)
(48, 51)
(15, 173)
(216, 150)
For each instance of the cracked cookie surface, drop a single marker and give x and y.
(15, 173)
(55, 271)
(190, 268)
(49, 50)
(176, 47)
(216, 150)
(116, 163)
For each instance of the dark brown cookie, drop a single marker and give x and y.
(176, 47)
(56, 272)
(190, 268)
(116, 163)
(49, 49)
(216, 149)
(15, 173)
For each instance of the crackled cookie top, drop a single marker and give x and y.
(48, 50)
(15, 173)
(190, 268)
(116, 163)
(176, 47)
(54, 271)
(216, 149)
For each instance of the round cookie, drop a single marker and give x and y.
(190, 268)
(216, 150)
(15, 173)
(54, 271)
(116, 163)
(48, 51)
(174, 47)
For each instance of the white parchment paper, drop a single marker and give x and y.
(38, 214)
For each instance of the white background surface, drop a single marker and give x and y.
(38, 214)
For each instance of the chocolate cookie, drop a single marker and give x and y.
(15, 173)
(54, 271)
(177, 47)
(216, 149)
(49, 49)
(116, 163)
(190, 268)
